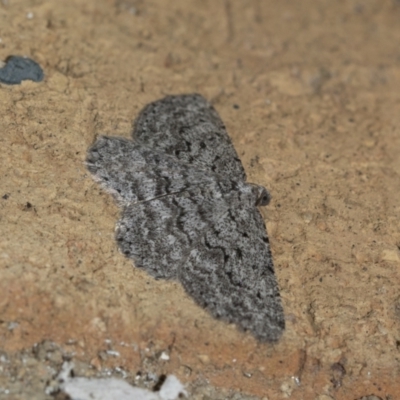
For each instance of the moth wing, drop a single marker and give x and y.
(189, 128)
(134, 173)
(231, 274)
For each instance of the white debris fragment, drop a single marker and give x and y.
(65, 372)
(112, 388)
(171, 388)
(113, 353)
(122, 372)
(105, 389)
(164, 356)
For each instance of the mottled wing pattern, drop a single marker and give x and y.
(188, 128)
(135, 173)
(159, 234)
(231, 274)
(188, 213)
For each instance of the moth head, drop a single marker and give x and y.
(263, 196)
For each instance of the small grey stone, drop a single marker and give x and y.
(18, 69)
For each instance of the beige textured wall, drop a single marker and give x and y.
(318, 89)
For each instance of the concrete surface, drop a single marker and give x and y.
(310, 94)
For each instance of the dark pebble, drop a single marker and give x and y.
(18, 69)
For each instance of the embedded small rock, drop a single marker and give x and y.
(16, 69)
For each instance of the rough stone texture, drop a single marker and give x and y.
(310, 94)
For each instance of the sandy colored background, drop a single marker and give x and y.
(310, 94)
